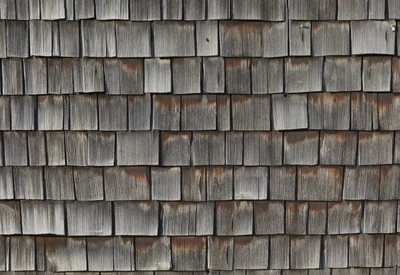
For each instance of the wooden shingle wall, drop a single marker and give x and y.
(222, 137)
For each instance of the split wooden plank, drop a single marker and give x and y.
(50, 112)
(263, 148)
(166, 112)
(139, 112)
(251, 113)
(379, 217)
(59, 183)
(145, 10)
(214, 75)
(55, 146)
(17, 39)
(364, 111)
(42, 217)
(76, 147)
(174, 38)
(98, 38)
(83, 106)
(305, 252)
(245, 250)
(301, 148)
(69, 38)
(137, 148)
(344, 217)
(88, 182)
(36, 148)
(133, 38)
(238, 75)
(186, 75)
(312, 10)
(15, 148)
(208, 148)
(143, 221)
(349, 10)
(361, 183)
(112, 10)
(22, 253)
(289, 112)
(317, 218)
(336, 251)
(269, 218)
(251, 183)
(259, 10)
(171, 9)
(66, 254)
(377, 74)
(344, 145)
(12, 77)
(28, 183)
(234, 218)
(23, 112)
(366, 250)
(299, 70)
(189, 253)
(6, 184)
(175, 148)
(88, 218)
(342, 74)
(300, 38)
(153, 253)
(10, 217)
(206, 36)
(375, 148)
(126, 183)
(158, 78)
(331, 38)
(219, 183)
(194, 183)
(166, 183)
(240, 39)
(195, 106)
(296, 218)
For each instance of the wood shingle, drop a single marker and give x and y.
(174, 38)
(153, 253)
(312, 10)
(269, 218)
(234, 218)
(240, 39)
(246, 248)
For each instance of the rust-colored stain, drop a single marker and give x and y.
(296, 207)
(290, 171)
(53, 244)
(386, 100)
(308, 171)
(244, 205)
(167, 102)
(216, 175)
(317, 208)
(297, 241)
(239, 99)
(243, 241)
(298, 63)
(98, 243)
(261, 207)
(222, 242)
(391, 241)
(386, 170)
(395, 67)
(189, 244)
(173, 206)
(137, 173)
(43, 98)
(225, 206)
(336, 98)
(40, 245)
(132, 65)
(293, 138)
(236, 64)
(143, 244)
(223, 101)
(181, 61)
(356, 206)
(174, 137)
(67, 63)
(365, 137)
(192, 101)
(317, 98)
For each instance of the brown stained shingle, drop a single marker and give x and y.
(189, 253)
(175, 148)
(153, 253)
(366, 250)
(234, 218)
(240, 39)
(250, 252)
(220, 253)
(199, 106)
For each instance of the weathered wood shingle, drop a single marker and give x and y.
(361, 183)
(245, 250)
(251, 183)
(366, 250)
(269, 218)
(153, 253)
(66, 254)
(189, 253)
(344, 217)
(199, 106)
(342, 74)
(331, 38)
(305, 252)
(301, 148)
(174, 38)
(240, 39)
(143, 221)
(234, 218)
(312, 10)
(143, 148)
(262, 148)
(376, 74)
(39, 217)
(289, 112)
(10, 218)
(133, 38)
(303, 75)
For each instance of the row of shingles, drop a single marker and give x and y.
(185, 39)
(198, 253)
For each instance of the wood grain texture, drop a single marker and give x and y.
(214, 75)
(388, 187)
(139, 112)
(342, 74)
(186, 75)
(42, 217)
(83, 106)
(110, 9)
(344, 217)
(289, 112)
(223, 112)
(174, 38)
(375, 148)
(69, 38)
(251, 183)
(234, 148)
(10, 217)
(297, 70)
(17, 39)
(23, 110)
(246, 248)
(282, 183)
(336, 251)
(153, 253)
(100, 254)
(98, 38)
(220, 253)
(301, 148)
(305, 252)
(101, 148)
(364, 111)
(144, 219)
(269, 218)
(263, 148)
(36, 148)
(379, 217)
(317, 218)
(361, 183)
(123, 253)
(195, 106)
(189, 253)
(208, 148)
(88, 183)
(157, 76)
(55, 146)
(175, 148)
(274, 34)
(267, 76)
(234, 218)
(219, 183)
(343, 144)
(296, 218)
(15, 148)
(133, 38)
(206, 36)
(12, 77)
(348, 10)
(28, 183)
(40, 38)
(22, 253)
(300, 38)
(50, 112)
(66, 254)
(218, 9)
(166, 183)
(258, 10)
(172, 9)
(376, 74)
(194, 183)
(240, 39)
(59, 183)
(331, 38)
(76, 147)
(312, 10)
(145, 10)
(166, 112)
(143, 148)
(112, 113)
(6, 183)
(238, 75)
(251, 113)
(366, 250)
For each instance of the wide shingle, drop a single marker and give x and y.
(83, 106)
(175, 148)
(263, 148)
(101, 148)
(377, 74)
(50, 112)
(273, 10)
(15, 148)
(111, 9)
(282, 183)
(40, 38)
(250, 113)
(189, 253)
(98, 38)
(23, 112)
(269, 218)
(296, 218)
(251, 183)
(28, 183)
(375, 148)
(17, 39)
(361, 183)
(166, 112)
(133, 38)
(234, 218)
(100, 254)
(143, 218)
(42, 217)
(240, 39)
(145, 10)
(66, 254)
(366, 250)
(305, 252)
(22, 253)
(312, 10)
(289, 112)
(35, 76)
(10, 218)
(379, 217)
(137, 148)
(206, 36)
(218, 9)
(266, 76)
(186, 75)
(88, 183)
(342, 74)
(123, 76)
(301, 148)
(220, 253)
(299, 69)
(336, 251)
(174, 39)
(194, 184)
(344, 144)
(208, 148)
(157, 76)
(246, 248)
(388, 187)
(331, 38)
(196, 106)
(59, 183)
(153, 253)
(344, 217)
(352, 10)
(166, 184)
(219, 183)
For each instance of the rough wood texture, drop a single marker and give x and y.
(275, 39)
(172, 9)
(6, 184)
(145, 10)
(234, 218)
(246, 248)
(88, 184)
(12, 77)
(208, 148)
(331, 38)
(269, 218)
(174, 39)
(213, 75)
(379, 217)
(240, 39)
(219, 183)
(336, 251)
(111, 9)
(312, 10)
(361, 183)
(100, 254)
(124, 254)
(366, 250)
(139, 112)
(352, 10)
(300, 38)
(59, 183)
(206, 36)
(263, 148)
(83, 106)
(186, 74)
(234, 148)
(338, 148)
(289, 112)
(301, 148)
(258, 10)
(195, 106)
(143, 221)
(282, 183)
(153, 253)
(40, 38)
(28, 183)
(364, 111)
(299, 69)
(194, 184)
(279, 252)
(166, 112)
(251, 183)
(388, 187)
(238, 76)
(23, 112)
(189, 253)
(15, 148)
(36, 148)
(376, 74)
(123, 76)
(223, 112)
(305, 252)
(22, 250)
(218, 9)
(220, 253)
(166, 184)
(66, 254)
(42, 217)
(317, 217)
(375, 148)
(50, 112)
(101, 148)
(296, 218)
(344, 217)
(250, 113)
(10, 217)
(342, 74)
(175, 149)
(112, 113)
(143, 148)
(157, 76)
(17, 39)
(98, 38)
(69, 38)
(133, 38)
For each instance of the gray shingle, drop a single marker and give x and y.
(219, 183)
(301, 148)
(189, 253)
(250, 183)
(366, 250)
(123, 76)
(8, 10)
(196, 106)
(50, 112)
(320, 183)
(133, 38)
(55, 36)
(218, 9)
(12, 77)
(336, 251)
(234, 148)
(267, 76)
(364, 111)
(138, 148)
(59, 183)
(395, 74)
(388, 187)
(279, 252)
(174, 38)
(55, 146)
(194, 184)
(28, 183)
(391, 254)
(166, 184)
(69, 38)
(317, 218)
(371, 37)
(83, 106)
(342, 74)
(23, 112)
(89, 218)
(273, 10)
(100, 254)
(312, 10)
(331, 38)
(240, 39)
(352, 10)
(171, 9)
(88, 183)
(344, 144)
(143, 221)
(35, 76)
(186, 75)
(22, 253)
(213, 75)
(361, 183)
(98, 38)
(289, 112)
(166, 112)
(282, 183)
(377, 9)
(112, 113)
(6, 184)
(375, 148)
(220, 253)
(40, 38)
(111, 9)
(269, 218)
(234, 218)
(298, 69)
(145, 10)
(175, 148)
(251, 112)
(76, 147)
(187, 219)
(101, 148)
(208, 148)
(3, 33)
(263, 148)
(42, 217)
(296, 218)
(60, 76)
(377, 74)
(305, 252)
(139, 112)
(124, 254)
(52, 10)
(238, 75)
(157, 74)
(66, 254)
(206, 36)
(223, 112)
(396, 153)
(194, 9)
(300, 38)
(245, 250)
(344, 217)
(15, 148)
(17, 39)
(379, 217)
(393, 9)
(153, 253)
(129, 183)
(36, 148)
(10, 218)
(330, 111)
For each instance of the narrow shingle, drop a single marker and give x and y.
(100, 254)
(6, 183)
(388, 187)
(36, 148)
(300, 38)
(12, 77)
(282, 183)
(50, 112)
(69, 38)
(305, 252)
(240, 39)
(375, 148)
(139, 112)
(17, 39)
(299, 69)
(40, 38)
(218, 9)
(238, 75)
(98, 38)
(186, 75)
(22, 253)
(83, 106)
(157, 74)
(138, 148)
(213, 75)
(15, 148)
(112, 113)
(172, 9)
(10, 218)
(23, 112)
(296, 218)
(219, 183)
(269, 218)
(194, 184)
(206, 37)
(336, 251)
(124, 250)
(364, 111)
(317, 218)
(76, 147)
